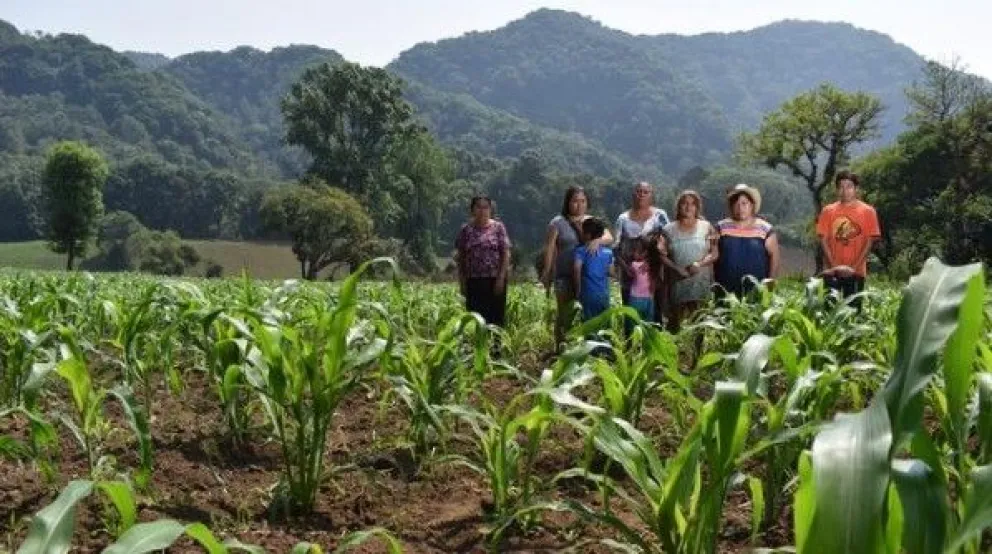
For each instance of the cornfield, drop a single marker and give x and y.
(141, 414)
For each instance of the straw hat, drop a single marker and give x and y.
(751, 192)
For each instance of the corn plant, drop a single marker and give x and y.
(429, 374)
(143, 336)
(302, 377)
(498, 456)
(859, 492)
(679, 501)
(52, 527)
(87, 423)
(629, 370)
(24, 338)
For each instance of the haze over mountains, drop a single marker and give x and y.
(594, 99)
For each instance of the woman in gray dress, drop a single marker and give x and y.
(689, 248)
(559, 246)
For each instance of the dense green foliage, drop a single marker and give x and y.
(247, 84)
(72, 197)
(813, 135)
(797, 412)
(194, 142)
(933, 187)
(126, 245)
(563, 71)
(325, 224)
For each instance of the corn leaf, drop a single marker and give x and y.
(927, 316)
(137, 419)
(752, 360)
(925, 510)
(121, 496)
(977, 514)
(52, 527)
(354, 539)
(851, 474)
(147, 537)
(985, 417)
(960, 355)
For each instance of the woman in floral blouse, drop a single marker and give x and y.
(484, 262)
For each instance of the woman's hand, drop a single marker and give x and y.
(500, 285)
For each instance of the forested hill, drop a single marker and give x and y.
(750, 73)
(67, 87)
(185, 133)
(564, 71)
(593, 99)
(670, 99)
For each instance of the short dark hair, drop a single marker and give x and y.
(479, 198)
(569, 194)
(849, 175)
(593, 227)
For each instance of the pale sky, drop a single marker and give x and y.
(376, 31)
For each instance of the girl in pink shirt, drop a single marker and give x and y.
(642, 281)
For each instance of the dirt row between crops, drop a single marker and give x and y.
(198, 478)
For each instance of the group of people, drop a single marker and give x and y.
(666, 268)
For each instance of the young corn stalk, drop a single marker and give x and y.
(53, 526)
(302, 377)
(679, 501)
(223, 336)
(87, 424)
(24, 338)
(427, 375)
(876, 481)
(499, 456)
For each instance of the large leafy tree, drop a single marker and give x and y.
(325, 224)
(932, 187)
(73, 179)
(348, 117)
(812, 135)
(421, 173)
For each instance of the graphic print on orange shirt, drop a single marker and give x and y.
(845, 229)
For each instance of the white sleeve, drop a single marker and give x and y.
(618, 230)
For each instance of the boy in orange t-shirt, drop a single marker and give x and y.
(847, 229)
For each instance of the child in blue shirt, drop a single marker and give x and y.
(592, 271)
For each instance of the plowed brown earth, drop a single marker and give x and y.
(443, 509)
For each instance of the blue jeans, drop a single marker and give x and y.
(593, 305)
(644, 307)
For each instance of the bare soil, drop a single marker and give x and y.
(197, 477)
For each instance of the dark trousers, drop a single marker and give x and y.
(847, 286)
(480, 297)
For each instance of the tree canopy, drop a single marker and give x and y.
(326, 225)
(73, 180)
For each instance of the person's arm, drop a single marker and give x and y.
(605, 240)
(874, 235)
(617, 232)
(577, 274)
(711, 256)
(461, 260)
(665, 260)
(828, 260)
(822, 230)
(504, 260)
(550, 252)
(771, 246)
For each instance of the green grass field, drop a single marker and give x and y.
(266, 260)
(262, 260)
